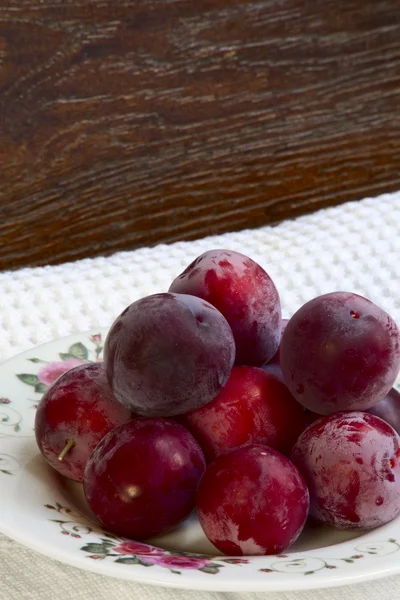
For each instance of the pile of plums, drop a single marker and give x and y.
(207, 399)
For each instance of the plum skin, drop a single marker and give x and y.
(253, 407)
(274, 365)
(142, 478)
(244, 293)
(167, 354)
(276, 359)
(389, 409)
(251, 501)
(81, 407)
(351, 464)
(340, 352)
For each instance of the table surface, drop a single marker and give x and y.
(125, 124)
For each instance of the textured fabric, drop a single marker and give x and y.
(355, 247)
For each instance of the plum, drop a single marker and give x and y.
(340, 352)
(351, 464)
(388, 409)
(73, 415)
(244, 293)
(254, 407)
(252, 500)
(274, 365)
(168, 354)
(142, 478)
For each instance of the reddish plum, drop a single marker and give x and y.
(246, 296)
(276, 359)
(253, 408)
(274, 365)
(340, 352)
(142, 478)
(74, 414)
(168, 354)
(351, 464)
(252, 500)
(389, 409)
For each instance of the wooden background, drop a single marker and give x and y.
(125, 123)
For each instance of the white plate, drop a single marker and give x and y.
(49, 514)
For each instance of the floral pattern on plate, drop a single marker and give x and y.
(77, 354)
(128, 552)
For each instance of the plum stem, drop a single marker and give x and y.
(67, 448)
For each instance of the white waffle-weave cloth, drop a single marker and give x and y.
(354, 247)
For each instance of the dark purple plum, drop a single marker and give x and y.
(340, 352)
(168, 354)
(252, 500)
(351, 464)
(244, 293)
(74, 414)
(142, 478)
(254, 407)
(388, 409)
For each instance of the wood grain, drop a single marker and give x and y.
(127, 123)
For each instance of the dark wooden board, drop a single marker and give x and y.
(127, 123)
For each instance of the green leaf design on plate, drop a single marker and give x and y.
(40, 388)
(110, 536)
(36, 360)
(107, 542)
(309, 573)
(78, 350)
(96, 548)
(59, 521)
(190, 554)
(5, 472)
(28, 378)
(210, 569)
(175, 571)
(129, 561)
(65, 356)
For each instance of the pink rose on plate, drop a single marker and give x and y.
(138, 549)
(52, 371)
(181, 562)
